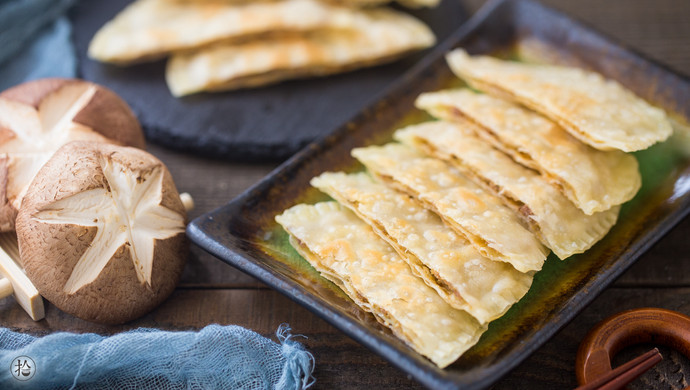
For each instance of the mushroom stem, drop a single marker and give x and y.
(187, 201)
(25, 292)
(5, 288)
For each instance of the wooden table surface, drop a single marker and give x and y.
(213, 292)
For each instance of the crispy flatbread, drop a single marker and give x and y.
(150, 29)
(351, 3)
(599, 112)
(345, 250)
(551, 216)
(594, 180)
(492, 228)
(419, 3)
(445, 261)
(374, 36)
(406, 3)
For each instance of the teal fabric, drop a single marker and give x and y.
(216, 357)
(35, 41)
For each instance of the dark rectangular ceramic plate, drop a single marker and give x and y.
(244, 234)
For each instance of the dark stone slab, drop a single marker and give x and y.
(269, 123)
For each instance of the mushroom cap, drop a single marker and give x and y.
(38, 117)
(106, 113)
(101, 232)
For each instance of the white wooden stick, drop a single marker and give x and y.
(187, 201)
(24, 291)
(5, 288)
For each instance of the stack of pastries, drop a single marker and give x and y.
(228, 44)
(445, 230)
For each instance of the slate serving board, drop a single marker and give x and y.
(264, 124)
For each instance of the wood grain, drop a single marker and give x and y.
(344, 364)
(212, 183)
(656, 28)
(553, 365)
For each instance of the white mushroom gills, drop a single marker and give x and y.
(128, 214)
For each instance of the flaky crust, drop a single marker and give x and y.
(349, 253)
(597, 111)
(151, 29)
(369, 37)
(445, 261)
(490, 226)
(593, 179)
(553, 218)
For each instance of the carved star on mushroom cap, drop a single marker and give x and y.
(31, 135)
(127, 212)
(40, 116)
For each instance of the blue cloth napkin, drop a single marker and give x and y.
(35, 41)
(216, 357)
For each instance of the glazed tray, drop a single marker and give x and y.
(243, 233)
